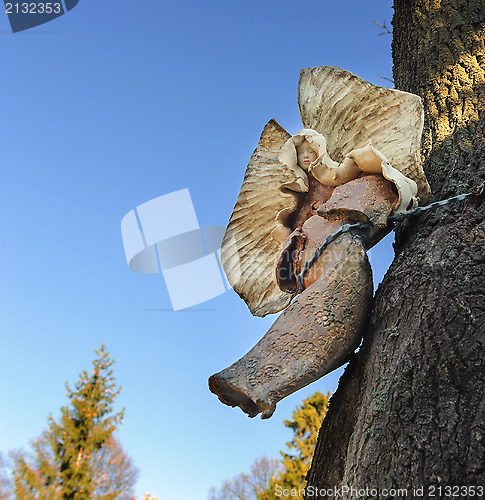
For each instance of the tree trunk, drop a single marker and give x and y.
(409, 411)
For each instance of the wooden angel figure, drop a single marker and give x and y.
(357, 160)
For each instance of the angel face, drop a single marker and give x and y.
(305, 155)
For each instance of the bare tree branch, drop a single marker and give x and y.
(385, 28)
(386, 78)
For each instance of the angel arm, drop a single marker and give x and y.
(366, 160)
(331, 173)
(369, 160)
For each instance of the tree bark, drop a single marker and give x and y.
(410, 409)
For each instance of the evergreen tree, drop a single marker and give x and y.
(305, 423)
(77, 458)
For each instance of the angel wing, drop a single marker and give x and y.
(256, 227)
(349, 112)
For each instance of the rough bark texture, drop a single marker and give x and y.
(410, 408)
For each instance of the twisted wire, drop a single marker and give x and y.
(360, 227)
(346, 228)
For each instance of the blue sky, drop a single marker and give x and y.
(107, 107)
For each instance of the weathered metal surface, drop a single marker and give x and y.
(366, 199)
(312, 337)
(309, 202)
(304, 242)
(322, 326)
